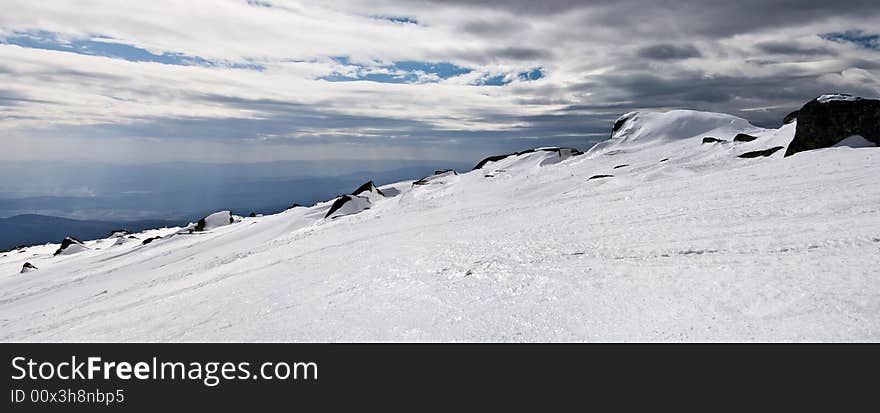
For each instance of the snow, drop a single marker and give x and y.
(702, 247)
(352, 205)
(855, 141)
(217, 220)
(74, 247)
(836, 97)
(651, 128)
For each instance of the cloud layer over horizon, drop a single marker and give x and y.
(248, 80)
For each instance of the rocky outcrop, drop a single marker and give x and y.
(762, 153)
(620, 122)
(791, 117)
(28, 267)
(562, 152)
(437, 178)
(600, 176)
(70, 245)
(347, 205)
(367, 188)
(829, 119)
(116, 233)
(710, 139)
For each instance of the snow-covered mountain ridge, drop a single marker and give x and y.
(655, 234)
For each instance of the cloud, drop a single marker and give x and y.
(669, 52)
(406, 78)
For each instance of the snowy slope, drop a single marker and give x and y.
(685, 242)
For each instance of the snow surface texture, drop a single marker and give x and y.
(836, 97)
(703, 246)
(217, 220)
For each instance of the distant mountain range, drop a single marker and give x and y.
(33, 229)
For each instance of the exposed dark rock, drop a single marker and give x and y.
(295, 205)
(28, 267)
(149, 240)
(621, 166)
(664, 159)
(560, 151)
(600, 176)
(758, 154)
(341, 202)
(215, 220)
(67, 243)
(493, 158)
(744, 137)
(791, 117)
(118, 233)
(367, 187)
(437, 174)
(253, 215)
(619, 123)
(823, 122)
(710, 139)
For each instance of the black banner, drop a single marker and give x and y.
(151, 377)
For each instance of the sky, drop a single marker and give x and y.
(270, 80)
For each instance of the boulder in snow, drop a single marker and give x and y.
(149, 240)
(368, 190)
(710, 139)
(744, 137)
(347, 205)
(829, 119)
(758, 154)
(600, 176)
(69, 246)
(28, 267)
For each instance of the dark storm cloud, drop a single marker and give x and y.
(793, 48)
(599, 59)
(721, 17)
(513, 53)
(668, 52)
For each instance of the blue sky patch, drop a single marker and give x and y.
(501, 80)
(408, 71)
(107, 47)
(857, 37)
(398, 19)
